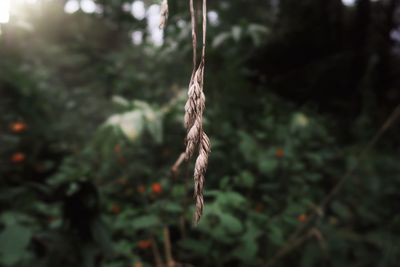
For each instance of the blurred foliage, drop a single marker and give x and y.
(91, 124)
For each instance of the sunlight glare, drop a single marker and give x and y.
(395, 35)
(138, 10)
(126, 7)
(4, 11)
(349, 2)
(88, 6)
(137, 37)
(71, 6)
(153, 21)
(213, 18)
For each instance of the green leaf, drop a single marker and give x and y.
(124, 247)
(245, 179)
(224, 182)
(102, 236)
(178, 191)
(145, 222)
(231, 199)
(13, 242)
(314, 177)
(341, 210)
(276, 235)
(247, 251)
(201, 248)
(248, 146)
(130, 123)
(236, 33)
(257, 32)
(267, 165)
(172, 207)
(154, 125)
(219, 39)
(310, 257)
(231, 224)
(120, 100)
(258, 28)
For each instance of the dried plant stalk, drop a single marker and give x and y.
(199, 173)
(194, 112)
(163, 14)
(196, 138)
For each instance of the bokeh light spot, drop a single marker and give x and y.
(138, 10)
(71, 6)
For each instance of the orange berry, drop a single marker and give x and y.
(116, 209)
(18, 157)
(141, 189)
(156, 188)
(144, 244)
(138, 265)
(279, 153)
(302, 218)
(18, 127)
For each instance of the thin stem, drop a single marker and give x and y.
(156, 253)
(167, 247)
(194, 37)
(177, 164)
(287, 249)
(203, 55)
(388, 123)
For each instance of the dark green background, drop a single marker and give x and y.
(316, 79)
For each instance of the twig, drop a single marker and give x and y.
(177, 164)
(174, 173)
(321, 241)
(388, 123)
(167, 247)
(293, 239)
(182, 226)
(314, 232)
(288, 248)
(156, 253)
(186, 202)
